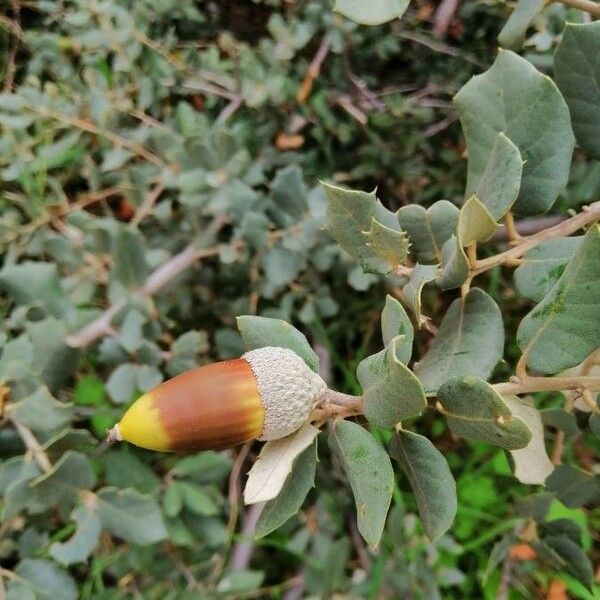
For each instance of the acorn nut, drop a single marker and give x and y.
(266, 394)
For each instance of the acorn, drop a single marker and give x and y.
(266, 394)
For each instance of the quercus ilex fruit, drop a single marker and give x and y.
(266, 394)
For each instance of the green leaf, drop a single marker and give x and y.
(130, 268)
(290, 193)
(297, 485)
(430, 479)
(197, 500)
(371, 13)
(240, 581)
(499, 185)
(185, 350)
(429, 229)
(542, 267)
(514, 98)
(594, 424)
(574, 487)
(123, 468)
(122, 383)
(46, 579)
(173, 499)
(563, 329)
(395, 322)
(131, 516)
(475, 223)
(258, 332)
(370, 474)
(60, 485)
(89, 391)
(513, 33)
(41, 412)
(577, 74)
(457, 349)
(390, 244)
(455, 265)
(82, 543)
(532, 465)
(411, 292)
(576, 562)
(499, 552)
(205, 467)
(54, 361)
(350, 214)
(35, 283)
(391, 392)
(475, 411)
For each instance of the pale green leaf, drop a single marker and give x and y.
(46, 580)
(270, 471)
(258, 332)
(288, 502)
(131, 516)
(542, 267)
(371, 13)
(577, 73)
(531, 464)
(395, 322)
(122, 383)
(81, 544)
(370, 473)
(476, 411)
(475, 223)
(41, 412)
(349, 215)
(514, 98)
(430, 479)
(499, 185)
(411, 292)
(130, 267)
(391, 392)
(458, 347)
(513, 33)
(455, 265)
(388, 243)
(429, 229)
(240, 581)
(564, 328)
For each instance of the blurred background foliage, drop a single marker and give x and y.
(150, 138)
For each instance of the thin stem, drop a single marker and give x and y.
(587, 5)
(528, 385)
(33, 446)
(588, 215)
(511, 231)
(345, 400)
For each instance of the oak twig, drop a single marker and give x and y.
(586, 5)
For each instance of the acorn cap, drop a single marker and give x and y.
(288, 389)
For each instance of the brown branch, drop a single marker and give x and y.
(587, 215)
(314, 69)
(11, 61)
(33, 446)
(443, 16)
(528, 227)
(147, 205)
(529, 385)
(242, 551)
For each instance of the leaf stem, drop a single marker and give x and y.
(587, 5)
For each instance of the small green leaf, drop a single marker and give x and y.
(429, 229)
(576, 562)
(457, 349)
(430, 479)
(197, 500)
(513, 33)
(173, 499)
(411, 292)
(395, 322)
(564, 328)
(455, 265)
(391, 392)
(297, 485)
(130, 267)
(131, 516)
(514, 98)
(258, 332)
(350, 214)
(475, 224)
(475, 411)
(577, 75)
(499, 185)
(240, 581)
(542, 267)
(532, 465)
(41, 412)
(123, 468)
(122, 383)
(370, 474)
(290, 193)
(574, 487)
(78, 548)
(371, 13)
(388, 243)
(46, 580)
